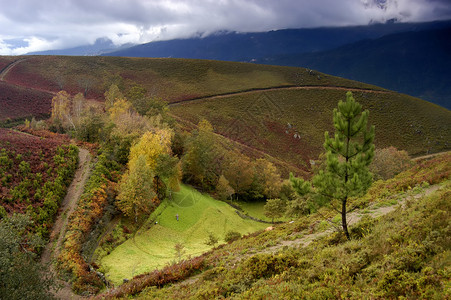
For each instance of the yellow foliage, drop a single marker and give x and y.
(120, 106)
(204, 125)
(151, 145)
(112, 95)
(61, 106)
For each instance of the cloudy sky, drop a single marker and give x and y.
(36, 25)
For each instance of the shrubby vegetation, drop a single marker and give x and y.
(389, 162)
(21, 276)
(402, 254)
(34, 176)
(90, 209)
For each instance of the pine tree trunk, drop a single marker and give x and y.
(344, 223)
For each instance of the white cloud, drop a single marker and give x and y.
(47, 24)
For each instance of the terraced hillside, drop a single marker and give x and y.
(264, 110)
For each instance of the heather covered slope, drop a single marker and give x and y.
(169, 79)
(289, 124)
(263, 110)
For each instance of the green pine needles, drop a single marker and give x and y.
(348, 155)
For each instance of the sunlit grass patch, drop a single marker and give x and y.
(154, 248)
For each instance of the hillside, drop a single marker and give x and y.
(34, 175)
(152, 247)
(416, 63)
(264, 110)
(399, 248)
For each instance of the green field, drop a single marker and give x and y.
(154, 248)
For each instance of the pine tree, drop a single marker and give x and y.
(348, 155)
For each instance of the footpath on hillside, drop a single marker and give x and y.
(68, 205)
(279, 88)
(373, 211)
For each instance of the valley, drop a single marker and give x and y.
(178, 159)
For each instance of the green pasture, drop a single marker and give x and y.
(153, 245)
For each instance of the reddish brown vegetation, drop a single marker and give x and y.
(20, 75)
(45, 134)
(5, 61)
(90, 209)
(34, 175)
(18, 102)
(159, 278)
(38, 153)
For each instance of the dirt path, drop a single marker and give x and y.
(354, 217)
(68, 205)
(373, 211)
(5, 70)
(429, 156)
(281, 88)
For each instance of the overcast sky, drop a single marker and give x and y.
(36, 25)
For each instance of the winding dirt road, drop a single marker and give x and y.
(68, 205)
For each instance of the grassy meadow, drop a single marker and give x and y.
(255, 209)
(153, 246)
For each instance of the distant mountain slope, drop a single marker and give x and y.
(416, 63)
(263, 111)
(234, 46)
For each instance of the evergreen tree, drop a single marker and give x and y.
(348, 155)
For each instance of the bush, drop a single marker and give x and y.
(231, 236)
(389, 162)
(266, 265)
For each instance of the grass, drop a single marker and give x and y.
(404, 254)
(255, 209)
(153, 247)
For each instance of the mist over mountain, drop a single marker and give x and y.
(412, 58)
(234, 46)
(101, 46)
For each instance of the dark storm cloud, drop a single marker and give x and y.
(54, 24)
